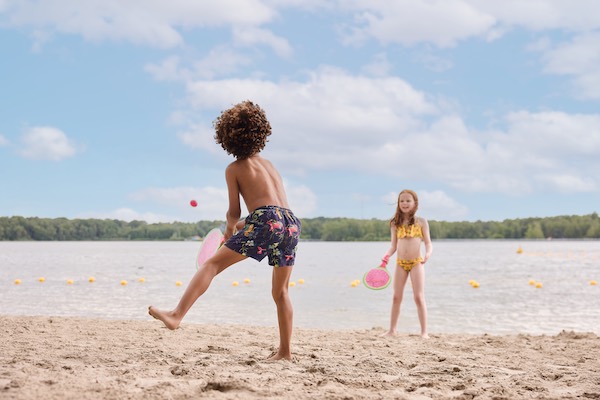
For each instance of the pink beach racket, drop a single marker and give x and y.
(211, 243)
(377, 278)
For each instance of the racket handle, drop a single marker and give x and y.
(384, 260)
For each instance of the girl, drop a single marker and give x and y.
(407, 232)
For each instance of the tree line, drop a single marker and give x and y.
(324, 229)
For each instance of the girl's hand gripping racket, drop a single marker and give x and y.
(378, 278)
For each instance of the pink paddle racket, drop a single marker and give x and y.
(211, 243)
(377, 278)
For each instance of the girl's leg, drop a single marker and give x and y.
(400, 278)
(417, 277)
(224, 258)
(285, 312)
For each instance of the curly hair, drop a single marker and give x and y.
(399, 216)
(242, 130)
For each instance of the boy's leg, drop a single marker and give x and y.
(224, 258)
(285, 312)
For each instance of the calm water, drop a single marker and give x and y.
(504, 302)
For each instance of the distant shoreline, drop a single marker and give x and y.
(315, 229)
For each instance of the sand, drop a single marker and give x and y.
(75, 358)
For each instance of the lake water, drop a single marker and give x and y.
(504, 303)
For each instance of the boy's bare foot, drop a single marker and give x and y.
(166, 317)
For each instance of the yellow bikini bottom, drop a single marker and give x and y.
(407, 265)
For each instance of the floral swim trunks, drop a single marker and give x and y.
(269, 231)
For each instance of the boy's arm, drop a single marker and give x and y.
(426, 239)
(240, 224)
(234, 211)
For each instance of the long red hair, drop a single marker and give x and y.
(399, 217)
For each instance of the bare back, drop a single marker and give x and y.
(257, 181)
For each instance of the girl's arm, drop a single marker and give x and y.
(426, 239)
(393, 244)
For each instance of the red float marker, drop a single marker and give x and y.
(193, 203)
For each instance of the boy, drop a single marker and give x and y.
(271, 229)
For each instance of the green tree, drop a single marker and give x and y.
(329, 229)
(534, 231)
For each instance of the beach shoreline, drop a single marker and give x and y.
(79, 358)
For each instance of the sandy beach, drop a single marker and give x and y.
(75, 358)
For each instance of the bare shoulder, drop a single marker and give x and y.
(232, 166)
(263, 166)
(265, 163)
(421, 221)
(235, 166)
(231, 171)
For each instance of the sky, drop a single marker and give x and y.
(489, 110)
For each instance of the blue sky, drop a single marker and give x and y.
(489, 110)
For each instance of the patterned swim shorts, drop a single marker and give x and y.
(269, 231)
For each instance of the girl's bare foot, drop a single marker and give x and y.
(424, 336)
(166, 317)
(388, 334)
(278, 357)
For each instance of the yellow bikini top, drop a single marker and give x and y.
(409, 231)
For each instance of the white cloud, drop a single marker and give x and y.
(408, 22)
(541, 44)
(40, 38)
(168, 70)
(250, 36)
(517, 160)
(566, 183)
(332, 113)
(446, 22)
(212, 201)
(200, 136)
(437, 205)
(46, 143)
(3, 141)
(152, 23)
(379, 66)
(158, 23)
(578, 58)
(587, 85)
(538, 15)
(219, 61)
(382, 125)
(556, 134)
(303, 4)
(432, 61)
(433, 205)
(303, 201)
